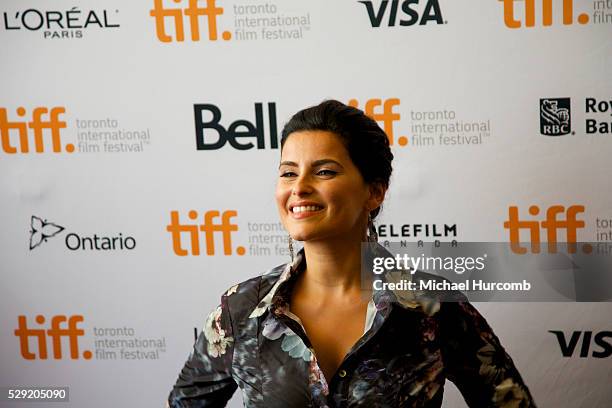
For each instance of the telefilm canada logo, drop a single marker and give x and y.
(403, 13)
(418, 231)
(555, 116)
(60, 24)
(42, 230)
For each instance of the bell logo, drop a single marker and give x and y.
(209, 227)
(529, 6)
(430, 12)
(237, 131)
(387, 117)
(193, 13)
(551, 225)
(56, 333)
(37, 125)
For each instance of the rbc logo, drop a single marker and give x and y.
(236, 131)
(193, 13)
(555, 116)
(38, 124)
(56, 333)
(209, 227)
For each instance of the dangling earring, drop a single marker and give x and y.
(373, 237)
(291, 248)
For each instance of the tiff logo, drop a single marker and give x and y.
(551, 225)
(56, 333)
(193, 13)
(209, 227)
(387, 117)
(38, 124)
(529, 9)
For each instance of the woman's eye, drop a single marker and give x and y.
(327, 172)
(287, 174)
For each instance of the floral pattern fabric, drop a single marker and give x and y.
(414, 343)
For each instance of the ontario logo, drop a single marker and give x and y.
(519, 13)
(403, 13)
(41, 230)
(555, 116)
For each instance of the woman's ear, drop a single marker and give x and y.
(377, 195)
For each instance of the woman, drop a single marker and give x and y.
(304, 335)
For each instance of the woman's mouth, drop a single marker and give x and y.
(304, 211)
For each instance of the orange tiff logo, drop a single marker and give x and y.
(42, 119)
(209, 227)
(529, 7)
(387, 117)
(191, 14)
(56, 333)
(551, 225)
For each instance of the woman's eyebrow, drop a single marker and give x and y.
(315, 163)
(321, 162)
(288, 163)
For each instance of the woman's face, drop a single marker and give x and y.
(320, 193)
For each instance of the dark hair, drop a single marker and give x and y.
(366, 143)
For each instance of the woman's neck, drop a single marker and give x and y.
(333, 269)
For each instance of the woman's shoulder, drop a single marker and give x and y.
(243, 297)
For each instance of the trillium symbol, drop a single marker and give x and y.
(41, 230)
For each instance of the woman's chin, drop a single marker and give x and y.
(304, 236)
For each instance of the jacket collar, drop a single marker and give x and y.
(277, 299)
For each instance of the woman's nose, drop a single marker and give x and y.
(302, 185)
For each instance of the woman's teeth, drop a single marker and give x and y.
(297, 210)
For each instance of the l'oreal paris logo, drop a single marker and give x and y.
(60, 24)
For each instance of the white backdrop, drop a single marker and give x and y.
(110, 83)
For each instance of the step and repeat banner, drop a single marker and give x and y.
(140, 146)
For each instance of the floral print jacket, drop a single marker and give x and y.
(410, 346)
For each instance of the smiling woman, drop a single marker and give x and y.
(306, 333)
